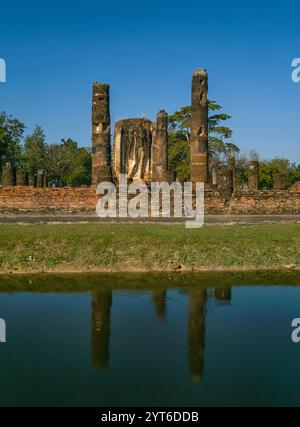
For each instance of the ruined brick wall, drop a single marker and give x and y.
(22, 199)
(82, 200)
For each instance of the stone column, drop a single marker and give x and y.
(160, 148)
(199, 127)
(101, 150)
(214, 173)
(32, 180)
(40, 178)
(232, 167)
(20, 177)
(253, 175)
(7, 174)
(280, 181)
(225, 182)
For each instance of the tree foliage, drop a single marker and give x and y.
(219, 145)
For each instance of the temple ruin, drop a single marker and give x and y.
(140, 150)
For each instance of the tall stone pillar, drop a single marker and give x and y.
(232, 167)
(280, 181)
(31, 180)
(7, 174)
(199, 127)
(253, 175)
(101, 150)
(160, 148)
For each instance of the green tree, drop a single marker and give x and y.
(11, 133)
(269, 168)
(219, 146)
(35, 152)
(69, 165)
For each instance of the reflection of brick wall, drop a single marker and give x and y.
(22, 199)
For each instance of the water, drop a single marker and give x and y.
(176, 344)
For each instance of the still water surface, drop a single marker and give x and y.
(223, 345)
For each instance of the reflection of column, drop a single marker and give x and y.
(159, 301)
(196, 332)
(223, 293)
(101, 308)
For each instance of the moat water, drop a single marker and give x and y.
(153, 342)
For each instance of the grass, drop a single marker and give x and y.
(147, 247)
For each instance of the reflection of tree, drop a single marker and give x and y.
(101, 308)
(223, 293)
(159, 300)
(196, 332)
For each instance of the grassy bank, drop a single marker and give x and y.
(141, 247)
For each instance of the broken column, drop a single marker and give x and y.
(232, 167)
(7, 174)
(280, 181)
(160, 148)
(101, 150)
(225, 182)
(253, 175)
(40, 178)
(214, 173)
(199, 127)
(20, 177)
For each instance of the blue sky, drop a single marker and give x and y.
(147, 51)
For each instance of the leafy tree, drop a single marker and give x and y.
(11, 133)
(179, 138)
(35, 152)
(269, 168)
(69, 165)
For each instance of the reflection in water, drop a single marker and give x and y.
(101, 308)
(223, 293)
(159, 300)
(197, 299)
(196, 332)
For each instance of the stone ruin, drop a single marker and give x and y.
(140, 150)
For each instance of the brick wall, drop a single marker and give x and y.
(82, 200)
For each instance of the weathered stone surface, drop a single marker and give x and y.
(232, 167)
(21, 178)
(32, 180)
(40, 178)
(159, 150)
(280, 181)
(7, 174)
(78, 200)
(199, 127)
(253, 175)
(132, 149)
(296, 187)
(225, 182)
(101, 149)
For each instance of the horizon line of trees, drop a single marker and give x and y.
(67, 164)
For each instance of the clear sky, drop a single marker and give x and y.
(147, 51)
